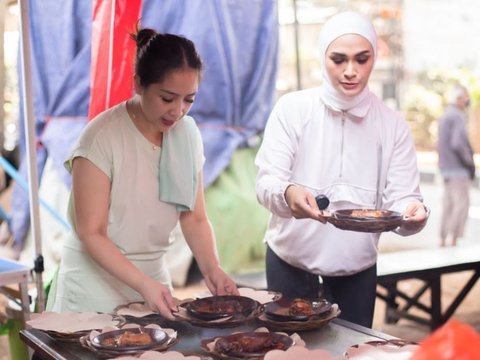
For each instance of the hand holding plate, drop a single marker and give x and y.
(302, 203)
(158, 298)
(415, 216)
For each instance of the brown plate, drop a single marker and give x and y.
(111, 340)
(284, 309)
(217, 307)
(71, 326)
(67, 337)
(86, 342)
(248, 344)
(314, 322)
(365, 220)
(367, 215)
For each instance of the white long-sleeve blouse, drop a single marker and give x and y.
(356, 162)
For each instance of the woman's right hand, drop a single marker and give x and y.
(158, 298)
(302, 203)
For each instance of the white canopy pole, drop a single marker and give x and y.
(30, 139)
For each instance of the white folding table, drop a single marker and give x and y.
(11, 273)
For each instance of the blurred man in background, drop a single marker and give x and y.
(457, 167)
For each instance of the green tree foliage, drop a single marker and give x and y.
(426, 98)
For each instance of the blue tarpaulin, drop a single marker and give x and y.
(238, 41)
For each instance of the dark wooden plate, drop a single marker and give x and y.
(280, 310)
(157, 336)
(217, 307)
(248, 344)
(315, 322)
(365, 220)
(367, 215)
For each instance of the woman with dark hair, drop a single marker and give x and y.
(137, 172)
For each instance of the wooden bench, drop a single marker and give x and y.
(428, 266)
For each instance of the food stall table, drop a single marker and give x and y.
(13, 272)
(335, 337)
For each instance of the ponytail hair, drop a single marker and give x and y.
(160, 53)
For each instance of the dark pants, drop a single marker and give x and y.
(354, 294)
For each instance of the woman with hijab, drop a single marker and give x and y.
(339, 140)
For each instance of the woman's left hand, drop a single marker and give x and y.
(219, 283)
(415, 216)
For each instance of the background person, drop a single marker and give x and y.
(457, 166)
(333, 140)
(137, 171)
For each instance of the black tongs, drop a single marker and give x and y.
(322, 202)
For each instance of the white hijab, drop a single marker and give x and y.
(338, 25)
